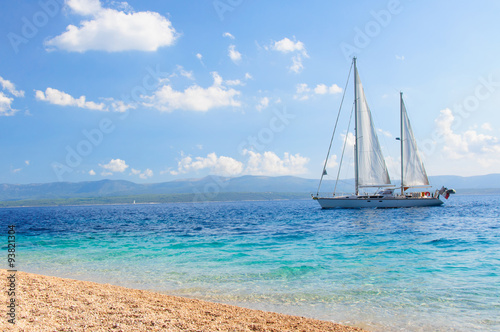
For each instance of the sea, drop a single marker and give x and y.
(410, 269)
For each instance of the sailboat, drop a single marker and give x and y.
(370, 170)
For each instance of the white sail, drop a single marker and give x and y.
(413, 169)
(371, 168)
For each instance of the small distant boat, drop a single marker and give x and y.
(370, 169)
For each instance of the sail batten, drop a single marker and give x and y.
(414, 174)
(371, 167)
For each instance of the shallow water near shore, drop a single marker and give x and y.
(414, 269)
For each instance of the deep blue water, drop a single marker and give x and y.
(415, 269)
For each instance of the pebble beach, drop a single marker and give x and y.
(46, 303)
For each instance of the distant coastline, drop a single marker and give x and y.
(207, 189)
(153, 199)
(186, 198)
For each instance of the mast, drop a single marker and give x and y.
(401, 139)
(355, 128)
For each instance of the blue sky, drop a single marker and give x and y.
(152, 91)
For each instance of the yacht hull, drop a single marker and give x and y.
(354, 202)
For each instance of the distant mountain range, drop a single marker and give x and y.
(213, 184)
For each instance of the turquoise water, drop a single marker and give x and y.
(415, 269)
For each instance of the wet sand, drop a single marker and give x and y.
(57, 304)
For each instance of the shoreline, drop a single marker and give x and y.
(53, 303)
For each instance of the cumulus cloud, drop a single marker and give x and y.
(286, 46)
(143, 175)
(114, 166)
(120, 106)
(304, 92)
(7, 98)
(322, 89)
(263, 104)
(92, 172)
(486, 126)
(267, 163)
(84, 7)
(468, 145)
(10, 87)
(5, 105)
(295, 47)
(228, 35)
(113, 30)
(385, 133)
(57, 97)
(222, 165)
(234, 55)
(194, 98)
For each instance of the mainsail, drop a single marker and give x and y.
(371, 168)
(413, 169)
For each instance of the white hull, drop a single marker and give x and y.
(353, 202)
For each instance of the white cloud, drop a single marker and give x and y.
(92, 172)
(194, 98)
(268, 163)
(17, 170)
(302, 88)
(27, 162)
(146, 174)
(385, 133)
(84, 7)
(112, 30)
(222, 165)
(5, 105)
(143, 175)
(114, 166)
(234, 55)
(120, 106)
(400, 57)
(10, 87)
(288, 46)
(304, 92)
(56, 97)
(349, 144)
(486, 126)
(6, 101)
(263, 103)
(228, 35)
(332, 162)
(469, 145)
(297, 65)
(199, 56)
(322, 89)
(234, 82)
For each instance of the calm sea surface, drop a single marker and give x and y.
(415, 269)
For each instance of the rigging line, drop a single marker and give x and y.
(334, 129)
(343, 150)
